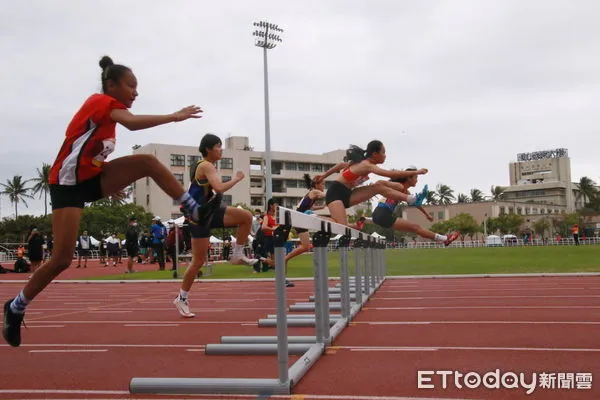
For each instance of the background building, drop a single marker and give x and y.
(287, 171)
(542, 177)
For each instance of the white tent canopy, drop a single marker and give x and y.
(377, 235)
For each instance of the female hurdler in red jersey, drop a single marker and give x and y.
(81, 174)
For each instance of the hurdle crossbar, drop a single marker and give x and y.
(328, 326)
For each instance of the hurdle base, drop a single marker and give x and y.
(266, 339)
(243, 349)
(208, 386)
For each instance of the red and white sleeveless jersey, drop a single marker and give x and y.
(90, 138)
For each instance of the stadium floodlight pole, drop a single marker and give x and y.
(267, 36)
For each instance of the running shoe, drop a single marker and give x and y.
(12, 325)
(183, 306)
(451, 238)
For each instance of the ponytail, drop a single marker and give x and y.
(355, 154)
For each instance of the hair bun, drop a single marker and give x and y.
(106, 62)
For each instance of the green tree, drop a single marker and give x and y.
(462, 198)
(476, 195)
(542, 227)
(445, 195)
(42, 184)
(465, 224)
(497, 192)
(587, 189)
(431, 199)
(17, 191)
(442, 227)
(101, 219)
(509, 223)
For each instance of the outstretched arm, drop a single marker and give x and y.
(214, 179)
(336, 168)
(396, 174)
(138, 122)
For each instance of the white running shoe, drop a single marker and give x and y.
(243, 260)
(183, 306)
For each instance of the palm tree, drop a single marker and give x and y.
(445, 195)
(462, 198)
(497, 192)
(16, 191)
(42, 184)
(587, 189)
(431, 199)
(476, 195)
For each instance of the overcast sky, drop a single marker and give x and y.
(459, 87)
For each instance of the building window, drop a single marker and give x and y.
(256, 183)
(440, 215)
(147, 200)
(226, 163)
(276, 167)
(177, 160)
(256, 201)
(227, 199)
(511, 210)
(502, 210)
(179, 177)
(519, 211)
(225, 178)
(278, 186)
(193, 160)
(317, 167)
(527, 211)
(304, 167)
(291, 183)
(290, 166)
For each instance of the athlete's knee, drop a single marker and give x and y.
(148, 162)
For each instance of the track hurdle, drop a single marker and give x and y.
(327, 326)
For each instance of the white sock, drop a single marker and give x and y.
(411, 199)
(183, 294)
(441, 238)
(238, 250)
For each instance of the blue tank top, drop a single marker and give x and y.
(388, 203)
(306, 203)
(199, 189)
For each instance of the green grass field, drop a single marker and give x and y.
(429, 262)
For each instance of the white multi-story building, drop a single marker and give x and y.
(287, 172)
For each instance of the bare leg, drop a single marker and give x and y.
(302, 248)
(405, 226)
(123, 171)
(199, 251)
(240, 218)
(65, 224)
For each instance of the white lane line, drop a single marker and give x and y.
(214, 396)
(45, 326)
(486, 297)
(196, 321)
(156, 325)
(465, 348)
(582, 308)
(486, 289)
(83, 302)
(70, 351)
(108, 311)
(67, 345)
(477, 322)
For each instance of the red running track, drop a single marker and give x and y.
(89, 340)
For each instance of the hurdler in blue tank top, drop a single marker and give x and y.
(306, 203)
(199, 189)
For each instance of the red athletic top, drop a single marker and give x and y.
(90, 138)
(354, 179)
(270, 223)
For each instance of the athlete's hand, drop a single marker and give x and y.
(239, 176)
(317, 178)
(422, 171)
(187, 112)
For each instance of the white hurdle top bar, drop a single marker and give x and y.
(313, 223)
